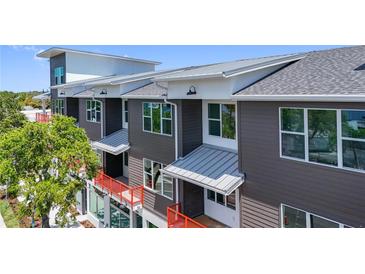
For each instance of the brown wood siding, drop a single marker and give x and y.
(152, 146)
(329, 192)
(93, 130)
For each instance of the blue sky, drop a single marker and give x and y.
(20, 70)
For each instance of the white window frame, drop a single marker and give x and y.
(94, 110)
(306, 145)
(162, 179)
(307, 217)
(59, 107)
(125, 113)
(220, 119)
(161, 119)
(225, 197)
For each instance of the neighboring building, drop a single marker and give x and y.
(205, 145)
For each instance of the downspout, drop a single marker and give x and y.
(176, 144)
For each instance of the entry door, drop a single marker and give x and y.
(125, 165)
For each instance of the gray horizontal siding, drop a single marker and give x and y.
(333, 193)
(93, 130)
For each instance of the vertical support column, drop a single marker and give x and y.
(106, 211)
(132, 218)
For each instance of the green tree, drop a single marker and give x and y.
(10, 115)
(46, 159)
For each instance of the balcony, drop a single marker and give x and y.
(175, 219)
(131, 197)
(42, 117)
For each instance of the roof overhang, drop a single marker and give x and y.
(209, 167)
(126, 96)
(115, 143)
(301, 98)
(43, 96)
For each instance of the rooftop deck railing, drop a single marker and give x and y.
(42, 117)
(175, 219)
(131, 195)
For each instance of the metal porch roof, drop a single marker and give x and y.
(114, 143)
(210, 167)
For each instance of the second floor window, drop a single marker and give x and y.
(332, 137)
(154, 180)
(59, 106)
(222, 120)
(93, 111)
(59, 75)
(157, 118)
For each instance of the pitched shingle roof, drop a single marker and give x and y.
(152, 90)
(338, 71)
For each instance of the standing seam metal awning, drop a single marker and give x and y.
(114, 143)
(210, 167)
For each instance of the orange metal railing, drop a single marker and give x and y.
(175, 219)
(42, 117)
(131, 195)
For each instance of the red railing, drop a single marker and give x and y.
(42, 117)
(175, 219)
(131, 195)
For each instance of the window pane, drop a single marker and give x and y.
(148, 180)
(92, 202)
(126, 158)
(322, 135)
(147, 109)
(147, 124)
(292, 145)
(228, 121)
(147, 166)
(151, 225)
(214, 128)
(126, 105)
(100, 213)
(114, 218)
(213, 111)
(98, 116)
(294, 218)
(231, 200)
(157, 176)
(126, 116)
(211, 195)
(166, 126)
(166, 110)
(353, 124)
(97, 105)
(292, 119)
(139, 222)
(167, 186)
(220, 198)
(88, 104)
(353, 154)
(88, 115)
(156, 118)
(317, 222)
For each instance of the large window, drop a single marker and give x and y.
(353, 139)
(157, 118)
(222, 120)
(154, 180)
(96, 204)
(119, 215)
(59, 75)
(228, 201)
(59, 106)
(93, 111)
(324, 136)
(296, 218)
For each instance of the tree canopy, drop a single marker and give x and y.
(10, 115)
(47, 159)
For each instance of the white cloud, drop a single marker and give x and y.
(30, 48)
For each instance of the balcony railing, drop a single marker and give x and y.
(131, 196)
(42, 117)
(175, 219)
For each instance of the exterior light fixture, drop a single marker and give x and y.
(62, 92)
(103, 92)
(192, 91)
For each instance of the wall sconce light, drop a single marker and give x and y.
(103, 92)
(62, 92)
(192, 91)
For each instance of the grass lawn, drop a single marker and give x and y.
(8, 215)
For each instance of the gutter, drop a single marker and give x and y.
(300, 98)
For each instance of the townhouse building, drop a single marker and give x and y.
(266, 142)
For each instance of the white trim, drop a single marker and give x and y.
(126, 96)
(307, 216)
(101, 111)
(112, 150)
(301, 98)
(306, 147)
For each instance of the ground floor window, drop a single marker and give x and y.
(228, 201)
(296, 218)
(139, 221)
(119, 215)
(58, 106)
(96, 204)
